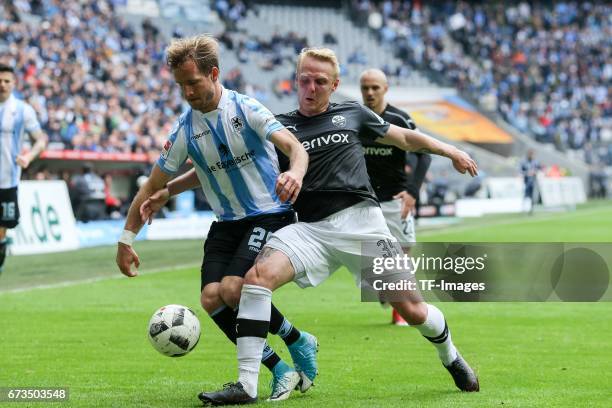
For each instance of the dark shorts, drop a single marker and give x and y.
(232, 246)
(9, 208)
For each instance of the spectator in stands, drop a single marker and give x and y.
(88, 195)
(545, 67)
(329, 38)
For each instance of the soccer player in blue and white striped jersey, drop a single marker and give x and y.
(16, 119)
(231, 140)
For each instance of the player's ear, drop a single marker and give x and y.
(335, 84)
(214, 72)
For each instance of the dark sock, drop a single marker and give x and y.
(2, 252)
(269, 358)
(283, 327)
(225, 318)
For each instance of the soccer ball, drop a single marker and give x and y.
(174, 330)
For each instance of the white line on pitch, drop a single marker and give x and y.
(92, 280)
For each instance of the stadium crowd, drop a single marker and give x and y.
(100, 84)
(545, 67)
(96, 83)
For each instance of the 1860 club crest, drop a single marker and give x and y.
(237, 123)
(339, 120)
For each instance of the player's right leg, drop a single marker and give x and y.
(430, 322)
(219, 250)
(241, 242)
(3, 245)
(252, 327)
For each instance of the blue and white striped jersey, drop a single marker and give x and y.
(16, 117)
(235, 162)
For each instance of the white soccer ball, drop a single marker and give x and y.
(174, 330)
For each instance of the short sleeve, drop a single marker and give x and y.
(372, 125)
(174, 151)
(261, 120)
(29, 119)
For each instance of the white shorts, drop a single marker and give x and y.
(402, 229)
(318, 249)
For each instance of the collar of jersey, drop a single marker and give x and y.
(9, 101)
(329, 107)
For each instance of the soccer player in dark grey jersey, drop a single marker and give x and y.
(396, 190)
(338, 211)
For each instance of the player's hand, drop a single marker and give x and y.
(23, 160)
(153, 204)
(462, 162)
(288, 186)
(126, 256)
(408, 203)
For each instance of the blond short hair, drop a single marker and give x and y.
(203, 49)
(321, 54)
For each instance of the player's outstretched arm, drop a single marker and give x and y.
(289, 183)
(24, 160)
(415, 141)
(126, 256)
(157, 200)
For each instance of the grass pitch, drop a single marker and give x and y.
(91, 336)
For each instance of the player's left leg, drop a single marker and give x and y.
(3, 245)
(426, 318)
(403, 230)
(430, 322)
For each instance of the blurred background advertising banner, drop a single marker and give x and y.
(47, 222)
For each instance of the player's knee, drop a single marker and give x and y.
(230, 291)
(253, 276)
(413, 312)
(210, 298)
(261, 274)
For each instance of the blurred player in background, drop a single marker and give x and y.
(529, 170)
(338, 212)
(16, 118)
(230, 139)
(397, 191)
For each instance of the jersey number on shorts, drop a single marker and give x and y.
(388, 250)
(258, 237)
(8, 211)
(405, 227)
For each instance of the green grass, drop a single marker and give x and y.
(591, 223)
(91, 337)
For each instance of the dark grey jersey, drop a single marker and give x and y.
(386, 163)
(337, 176)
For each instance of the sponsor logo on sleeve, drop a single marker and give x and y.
(166, 149)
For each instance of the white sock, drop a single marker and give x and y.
(252, 328)
(436, 331)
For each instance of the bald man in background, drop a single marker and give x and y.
(397, 191)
